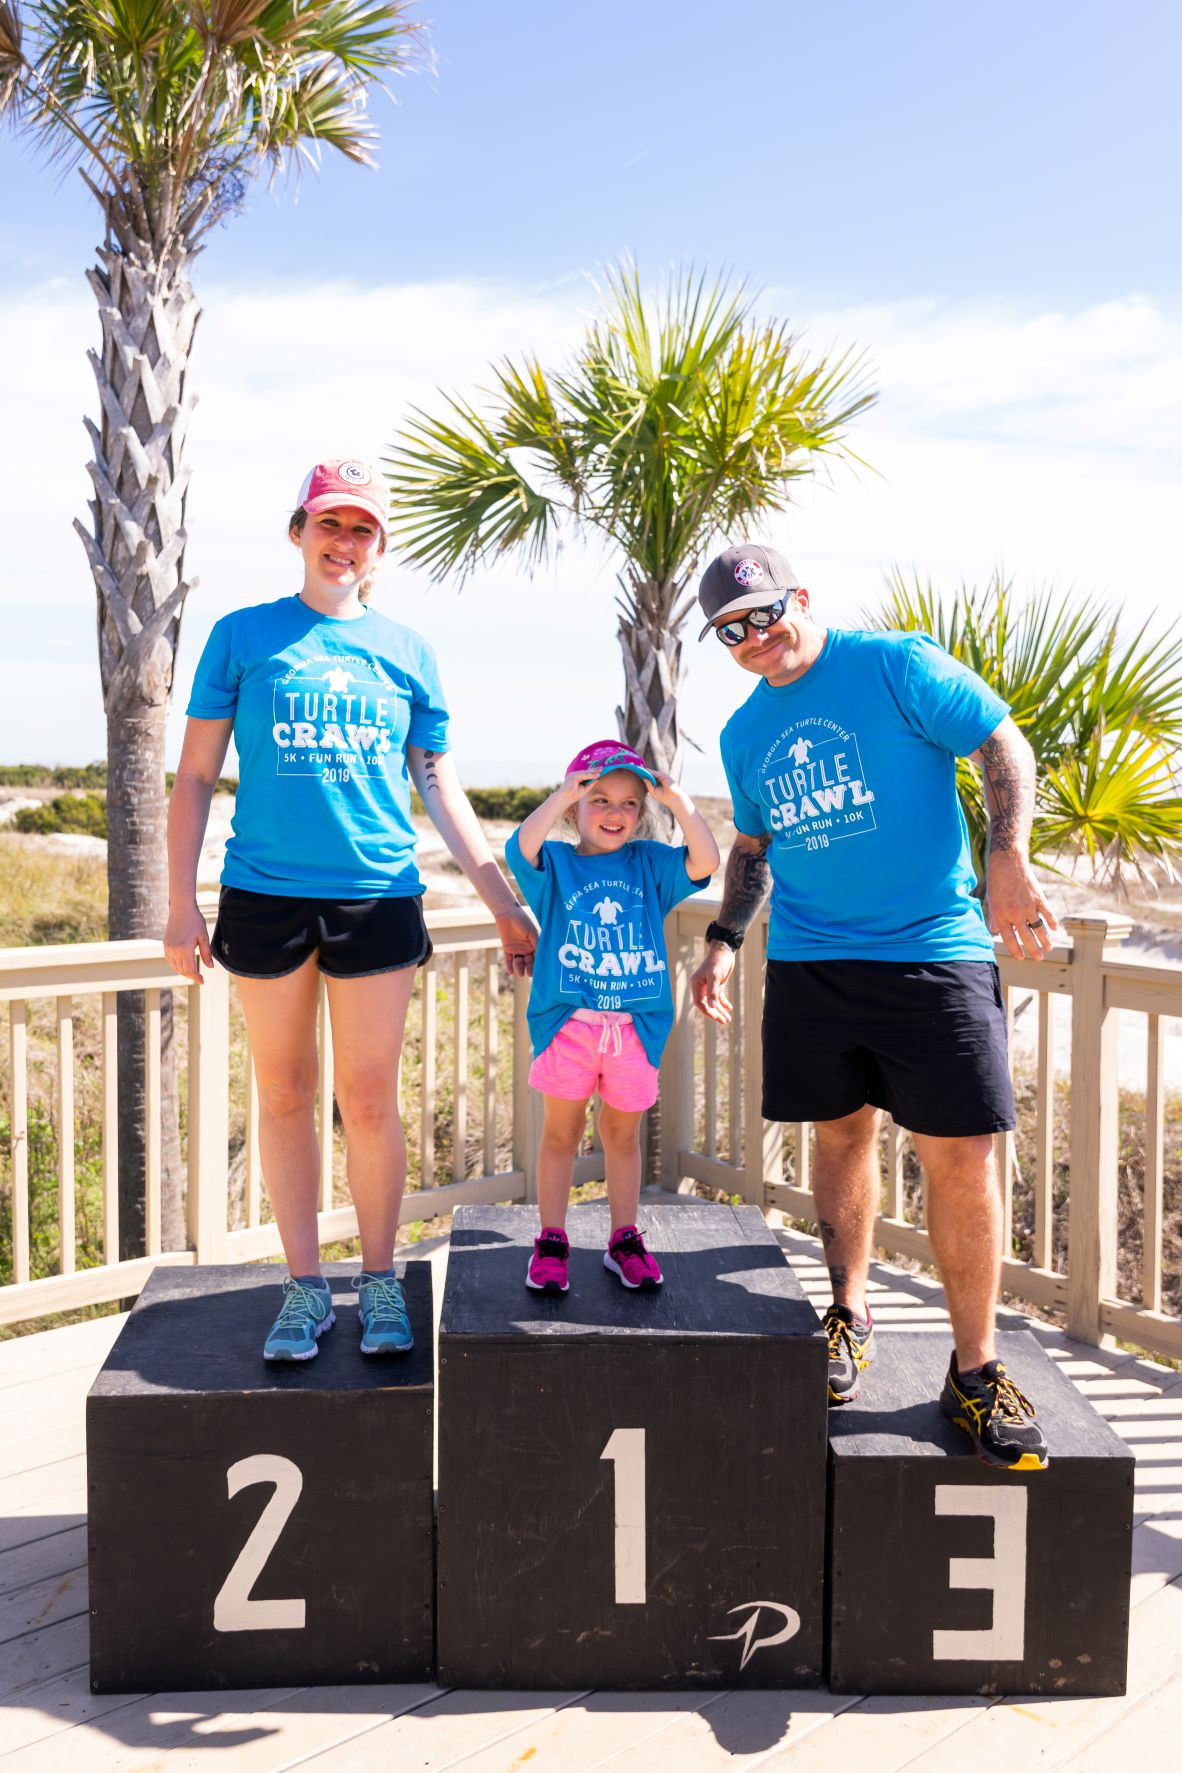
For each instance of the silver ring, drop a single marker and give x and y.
(1038, 923)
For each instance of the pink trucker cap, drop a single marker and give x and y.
(345, 482)
(609, 754)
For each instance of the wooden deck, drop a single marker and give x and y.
(49, 1719)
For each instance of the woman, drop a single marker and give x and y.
(334, 711)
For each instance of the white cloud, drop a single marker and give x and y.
(1050, 444)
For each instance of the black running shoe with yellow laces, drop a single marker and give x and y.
(851, 1350)
(999, 1421)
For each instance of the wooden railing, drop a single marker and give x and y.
(713, 1131)
(473, 1123)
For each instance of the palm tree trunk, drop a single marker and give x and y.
(651, 647)
(148, 315)
(649, 634)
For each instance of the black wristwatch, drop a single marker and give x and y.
(718, 932)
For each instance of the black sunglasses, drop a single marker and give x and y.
(734, 632)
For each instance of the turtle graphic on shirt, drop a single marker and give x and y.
(799, 751)
(608, 909)
(338, 681)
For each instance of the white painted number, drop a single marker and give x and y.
(626, 1451)
(233, 1610)
(1004, 1573)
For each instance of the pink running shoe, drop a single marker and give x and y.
(627, 1257)
(547, 1265)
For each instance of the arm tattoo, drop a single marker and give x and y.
(432, 775)
(1009, 795)
(745, 887)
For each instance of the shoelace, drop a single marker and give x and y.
(389, 1297)
(1010, 1402)
(839, 1333)
(631, 1244)
(297, 1303)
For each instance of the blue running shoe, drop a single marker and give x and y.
(385, 1327)
(307, 1312)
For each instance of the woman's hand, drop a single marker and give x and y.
(185, 937)
(519, 940)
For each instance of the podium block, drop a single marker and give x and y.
(256, 1524)
(948, 1576)
(631, 1485)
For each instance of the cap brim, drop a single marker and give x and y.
(620, 761)
(750, 601)
(334, 502)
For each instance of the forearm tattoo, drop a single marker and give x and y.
(745, 887)
(1009, 795)
(431, 769)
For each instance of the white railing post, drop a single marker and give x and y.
(763, 1140)
(209, 1114)
(1092, 1223)
(526, 1112)
(677, 1061)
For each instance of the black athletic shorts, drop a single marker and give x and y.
(265, 935)
(926, 1040)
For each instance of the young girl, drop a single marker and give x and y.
(335, 710)
(600, 1007)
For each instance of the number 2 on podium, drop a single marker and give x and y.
(625, 1449)
(233, 1609)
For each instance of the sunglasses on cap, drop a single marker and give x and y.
(734, 631)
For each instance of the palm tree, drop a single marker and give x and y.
(676, 424)
(1104, 717)
(169, 108)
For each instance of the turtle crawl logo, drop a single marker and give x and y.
(787, 1619)
(813, 786)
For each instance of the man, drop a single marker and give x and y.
(882, 991)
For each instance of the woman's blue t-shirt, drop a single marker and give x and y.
(323, 712)
(602, 940)
(851, 771)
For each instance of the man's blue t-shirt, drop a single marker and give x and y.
(602, 941)
(851, 769)
(323, 712)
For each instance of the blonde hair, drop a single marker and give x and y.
(297, 521)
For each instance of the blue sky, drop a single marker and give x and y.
(985, 200)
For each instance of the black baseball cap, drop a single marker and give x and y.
(745, 577)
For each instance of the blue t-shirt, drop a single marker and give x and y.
(851, 769)
(323, 712)
(602, 941)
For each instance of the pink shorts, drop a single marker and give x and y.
(586, 1056)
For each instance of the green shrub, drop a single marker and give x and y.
(507, 803)
(86, 813)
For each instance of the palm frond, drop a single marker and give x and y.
(178, 102)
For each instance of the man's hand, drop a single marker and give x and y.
(708, 985)
(519, 941)
(1015, 908)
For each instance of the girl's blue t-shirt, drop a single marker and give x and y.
(602, 941)
(851, 770)
(323, 712)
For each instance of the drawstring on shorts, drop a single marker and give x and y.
(610, 1024)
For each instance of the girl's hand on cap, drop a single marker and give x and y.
(667, 792)
(579, 781)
